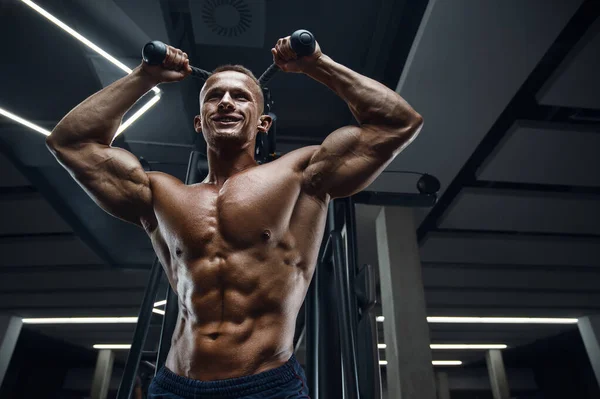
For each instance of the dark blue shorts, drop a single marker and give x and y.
(284, 382)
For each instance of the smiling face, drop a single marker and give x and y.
(230, 110)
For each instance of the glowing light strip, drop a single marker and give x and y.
(160, 303)
(497, 320)
(502, 320)
(139, 113)
(22, 121)
(82, 39)
(468, 346)
(112, 346)
(459, 346)
(446, 363)
(81, 320)
(434, 362)
(98, 50)
(158, 311)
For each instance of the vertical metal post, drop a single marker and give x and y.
(168, 326)
(312, 336)
(141, 330)
(344, 310)
(443, 388)
(330, 369)
(10, 329)
(497, 374)
(102, 374)
(193, 175)
(408, 355)
(589, 328)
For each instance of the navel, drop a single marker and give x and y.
(266, 235)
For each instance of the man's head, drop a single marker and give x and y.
(231, 107)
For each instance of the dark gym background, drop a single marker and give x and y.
(509, 90)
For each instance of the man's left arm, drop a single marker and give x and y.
(351, 157)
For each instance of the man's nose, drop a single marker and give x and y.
(226, 102)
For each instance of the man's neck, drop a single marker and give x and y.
(226, 163)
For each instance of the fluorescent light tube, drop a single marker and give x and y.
(112, 346)
(97, 49)
(468, 346)
(82, 39)
(160, 303)
(137, 114)
(502, 320)
(446, 362)
(22, 121)
(459, 346)
(497, 320)
(434, 362)
(81, 320)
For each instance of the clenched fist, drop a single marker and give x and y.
(174, 68)
(287, 60)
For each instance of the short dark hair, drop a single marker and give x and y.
(247, 72)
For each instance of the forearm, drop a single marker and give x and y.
(98, 117)
(369, 101)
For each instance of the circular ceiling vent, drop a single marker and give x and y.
(228, 18)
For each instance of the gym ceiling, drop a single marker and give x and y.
(508, 90)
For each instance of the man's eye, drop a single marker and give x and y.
(241, 97)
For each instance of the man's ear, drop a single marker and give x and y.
(265, 122)
(198, 124)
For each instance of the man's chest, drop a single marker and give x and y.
(246, 211)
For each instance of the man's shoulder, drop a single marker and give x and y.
(160, 179)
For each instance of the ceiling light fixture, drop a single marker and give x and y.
(98, 50)
(446, 363)
(81, 320)
(112, 346)
(22, 121)
(468, 346)
(502, 320)
(82, 39)
(158, 311)
(459, 346)
(497, 320)
(434, 362)
(160, 303)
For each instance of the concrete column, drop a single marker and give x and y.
(589, 328)
(10, 328)
(443, 388)
(406, 333)
(498, 381)
(102, 374)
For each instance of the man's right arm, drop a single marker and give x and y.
(112, 177)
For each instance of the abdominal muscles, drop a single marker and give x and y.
(237, 313)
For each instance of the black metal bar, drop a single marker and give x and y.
(168, 327)
(141, 330)
(149, 355)
(329, 355)
(326, 252)
(344, 310)
(369, 371)
(196, 169)
(312, 336)
(268, 74)
(394, 199)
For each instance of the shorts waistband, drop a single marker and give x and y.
(229, 388)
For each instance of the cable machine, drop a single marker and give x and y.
(342, 359)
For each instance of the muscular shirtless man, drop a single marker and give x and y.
(240, 248)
